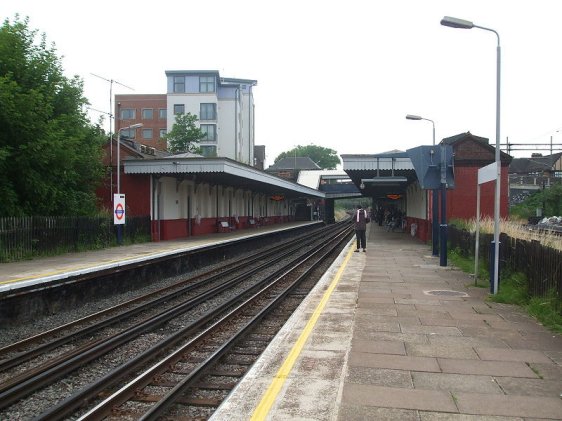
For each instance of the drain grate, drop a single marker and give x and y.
(447, 293)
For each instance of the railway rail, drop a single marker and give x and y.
(246, 292)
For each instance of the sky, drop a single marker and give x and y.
(337, 74)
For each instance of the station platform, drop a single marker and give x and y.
(47, 269)
(390, 335)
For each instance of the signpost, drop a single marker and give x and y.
(485, 175)
(119, 215)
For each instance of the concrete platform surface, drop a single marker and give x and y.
(390, 335)
(45, 269)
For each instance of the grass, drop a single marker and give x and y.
(513, 290)
(514, 228)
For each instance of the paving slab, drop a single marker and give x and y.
(442, 351)
(509, 405)
(379, 377)
(393, 397)
(502, 354)
(530, 387)
(378, 347)
(399, 362)
(362, 413)
(440, 416)
(455, 383)
(492, 368)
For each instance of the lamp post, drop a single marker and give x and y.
(435, 198)
(465, 24)
(132, 126)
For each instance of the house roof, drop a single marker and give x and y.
(534, 164)
(483, 152)
(464, 136)
(294, 163)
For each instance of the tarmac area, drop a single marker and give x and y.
(390, 335)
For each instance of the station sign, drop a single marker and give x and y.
(118, 209)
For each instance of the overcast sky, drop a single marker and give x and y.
(338, 74)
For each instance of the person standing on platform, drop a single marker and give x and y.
(361, 219)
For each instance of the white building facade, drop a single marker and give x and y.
(224, 107)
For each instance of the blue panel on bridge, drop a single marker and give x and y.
(427, 161)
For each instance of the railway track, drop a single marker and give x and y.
(242, 291)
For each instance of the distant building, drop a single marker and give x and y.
(223, 106)
(290, 167)
(527, 175)
(548, 166)
(148, 109)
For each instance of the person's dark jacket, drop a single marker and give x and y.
(360, 219)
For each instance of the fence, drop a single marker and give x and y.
(26, 237)
(541, 265)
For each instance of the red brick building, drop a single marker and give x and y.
(472, 153)
(148, 109)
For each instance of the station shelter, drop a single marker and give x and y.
(391, 180)
(189, 195)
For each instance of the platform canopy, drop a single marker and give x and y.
(380, 175)
(219, 171)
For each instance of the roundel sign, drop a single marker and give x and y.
(118, 209)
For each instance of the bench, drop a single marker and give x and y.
(224, 226)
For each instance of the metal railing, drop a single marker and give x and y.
(27, 237)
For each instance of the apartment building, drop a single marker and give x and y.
(224, 107)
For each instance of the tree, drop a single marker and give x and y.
(50, 155)
(325, 158)
(549, 199)
(185, 135)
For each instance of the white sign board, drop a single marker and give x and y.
(488, 173)
(118, 209)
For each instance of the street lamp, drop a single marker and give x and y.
(132, 126)
(434, 195)
(465, 24)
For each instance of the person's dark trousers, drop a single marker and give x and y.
(361, 239)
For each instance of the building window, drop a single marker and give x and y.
(207, 84)
(147, 133)
(208, 112)
(128, 114)
(163, 133)
(210, 132)
(162, 114)
(179, 109)
(179, 84)
(208, 151)
(147, 114)
(128, 134)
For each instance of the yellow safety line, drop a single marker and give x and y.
(278, 381)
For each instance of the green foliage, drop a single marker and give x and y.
(461, 224)
(512, 289)
(547, 310)
(50, 155)
(466, 264)
(325, 158)
(550, 199)
(185, 135)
